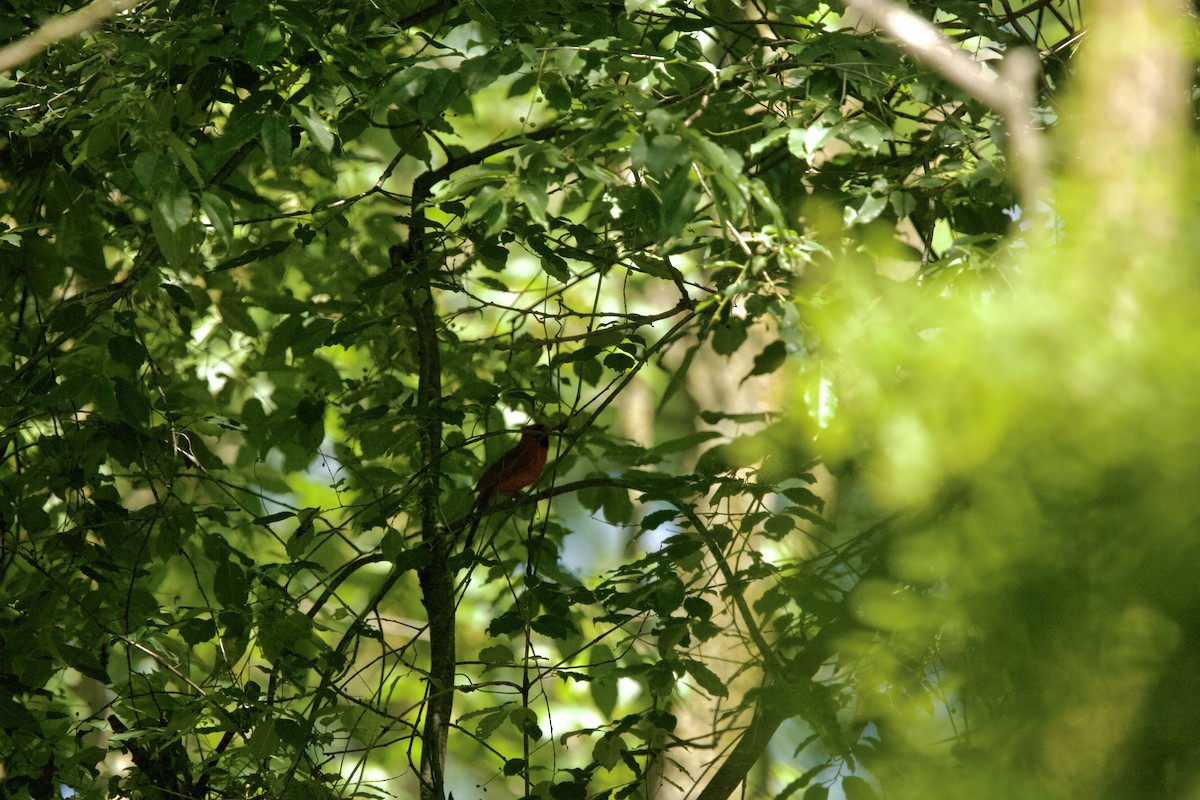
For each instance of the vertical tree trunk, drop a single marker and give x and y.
(437, 582)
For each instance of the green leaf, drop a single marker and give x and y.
(131, 403)
(230, 585)
(525, 721)
(707, 679)
(558, 93)
(619, 362)
(713, 461)
(678, 376)
(856, 788)
(728, 335)
(817, 791)
(660, 154)
(494, 256)
(698, 607)
(554, 626)
(414, 558)
(770, 359)
(219, 216)
(586, 353)
(178, 296)
(656, 519)
(535, 200)
(679, 445)
(616, 505)
(807, 142)
(488, 725)
(440, 88)
(666, 595)
(236, 316)
(127, 350)
(408, 133)
(152, 170)
(197, 630)
(869, 211)
(903, 203)
(174, 205)
(552, 262)
(496, 656)
(679, 197)
(277, 141)
(318, 129)
(608, 750)
(255, 254)
(867, 134)
(285, 334)
(482, 71)
(603, 687)
(803, 497)
(276, 517)
(776, 527)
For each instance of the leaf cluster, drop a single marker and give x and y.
(274, 273)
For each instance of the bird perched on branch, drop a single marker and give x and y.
(510, 473)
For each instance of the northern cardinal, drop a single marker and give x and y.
(511, 472)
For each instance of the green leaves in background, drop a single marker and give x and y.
(233, 237)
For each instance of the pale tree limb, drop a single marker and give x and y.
(1013, 95)
(58, 28)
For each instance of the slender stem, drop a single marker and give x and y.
(437, 582)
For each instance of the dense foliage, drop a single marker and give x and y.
(274, 273)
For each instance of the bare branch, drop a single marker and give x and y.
(1012, 95)
(59, 28)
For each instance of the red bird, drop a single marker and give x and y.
(519, 467)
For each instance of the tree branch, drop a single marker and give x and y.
(58, 28)
(437, 582)
(1013, 95)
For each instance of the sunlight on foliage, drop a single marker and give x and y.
(1036, 633)
(283, 281)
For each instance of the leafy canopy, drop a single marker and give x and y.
(274, 273)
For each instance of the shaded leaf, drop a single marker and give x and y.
(770, 359)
